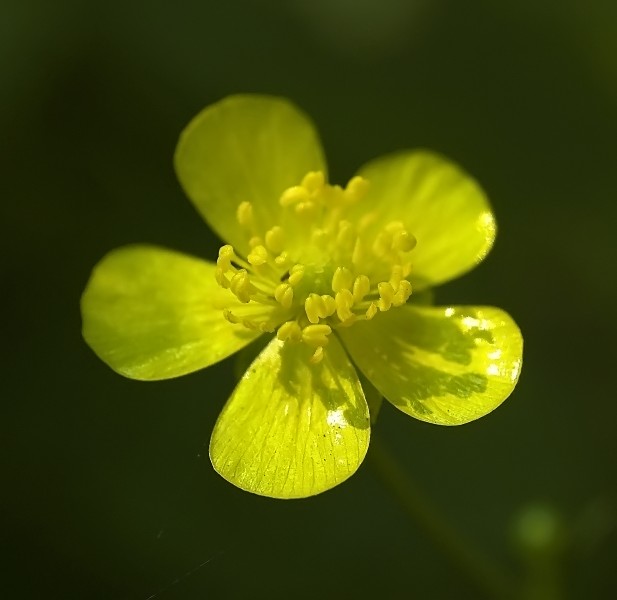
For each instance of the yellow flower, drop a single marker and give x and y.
(330, 274)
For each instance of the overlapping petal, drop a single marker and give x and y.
(245, 148)
(443, 207)
(442, 365)
(292, 429)
(151, 313)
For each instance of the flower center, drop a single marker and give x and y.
(317, 270)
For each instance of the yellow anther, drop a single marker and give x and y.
(346, 235)
(361, 287)
(402, 293)
(358, 254)
(355, 189)
(255, 241)
(371, 311)
(284, 295)
(313, 181)
(244, 214)
(226, 255)
(342, 279)
(275, 240)
(289, 331)
(240, 285)
(317, 356)
(394, 227)
(352, 254)
(396, 275)
(258, 256)
(229, 316)
(328, 306)
(250, 324)
(344, 302)
(219, 275)
(282, 260)
(386, 295)
(316, 335)
(293, 195)
(296, 274)
(266, 326)
(403, 241)
(319, 307)
(312, 308)
(306, 209)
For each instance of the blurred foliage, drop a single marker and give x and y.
(108, 491)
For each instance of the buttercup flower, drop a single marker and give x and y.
(330, 274)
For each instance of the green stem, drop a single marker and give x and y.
(473, 563)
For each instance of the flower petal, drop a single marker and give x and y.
(444, 208)
(442, 365)
(151, 313)
(292, 429)
(245, 148)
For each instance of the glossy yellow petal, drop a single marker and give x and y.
(292, 429)
(442, 365)
(245, 148)
(151, 313)
(443, 207)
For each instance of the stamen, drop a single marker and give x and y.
(361, 287)
(371, 311)
(256, 241)
(311, 308)
(402, 293)
(240, 285)
(244, 214)
(306, 209)
(355, 189)
(258, 256)
(342, 279)
(316, 335)
(357, 257)
(284, 294)
(319, 307)
(275, 240)
(226, 255)
(313, 181)
(346, 235)
(289, 331)
(327, 271)
(296, 274)
(396, 276)
(219, 275)
(403, 241)
(344, 302)
(293, 195)
(317, 356)
(386, 295)
(282, 260)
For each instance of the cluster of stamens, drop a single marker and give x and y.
(315, 271)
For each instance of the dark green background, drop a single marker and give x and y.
(107, 488)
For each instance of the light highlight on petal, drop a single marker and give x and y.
(291, 428)
(442, 365)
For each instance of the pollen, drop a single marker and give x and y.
(320, 268)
